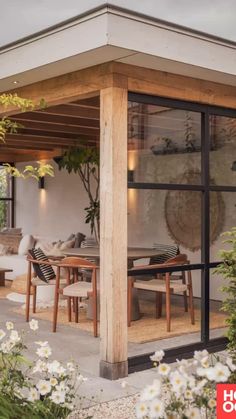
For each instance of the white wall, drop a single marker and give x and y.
(55, 212)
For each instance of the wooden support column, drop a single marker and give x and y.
(113, 232)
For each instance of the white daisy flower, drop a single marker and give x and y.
(2, 334)
(14, 336)
(81, 378)
(202, 372)
(211, 403)
(9, 325)
(141, 410)
(70, 366)
(44, 351)
(193, 413)
(151, 391)
(62, 387)
(219, 373)
(230, 364)
(178, 382)
(44, 387)
(188, 394)
(7, 346)
(33, 395)
(157, 409)
(53, 367)
(205, 362)
(40, 366)
(157, 356)
(34, 324)
(163, 369)
(53, 381)
(199, 355)
(58, 397)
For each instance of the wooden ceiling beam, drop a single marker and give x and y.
(55, 119)
(57, 127)
(73, 111)
(85, 132)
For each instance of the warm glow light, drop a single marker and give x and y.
(42, 198)
(132, 159)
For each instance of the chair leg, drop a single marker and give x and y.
(76, 310)
(191, 303)
(69, 299)
(95, 314)
(69, 308)
(158, 305)
(168, 304)
(34, 298)
(27, 306)
(129, 298)
(185, 293)
(56, 300)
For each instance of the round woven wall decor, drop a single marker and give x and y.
(183, 213)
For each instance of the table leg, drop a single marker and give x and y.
(2, 279)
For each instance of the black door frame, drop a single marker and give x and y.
(140, 362)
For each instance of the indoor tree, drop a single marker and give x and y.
(85, 162)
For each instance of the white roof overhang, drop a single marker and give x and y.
(112, 34)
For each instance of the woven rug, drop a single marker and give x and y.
(147, 329)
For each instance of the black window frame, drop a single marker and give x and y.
(140, 362)
(11, 198)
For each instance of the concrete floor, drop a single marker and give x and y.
(70, 343)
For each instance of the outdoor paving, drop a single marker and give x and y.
(70, 343)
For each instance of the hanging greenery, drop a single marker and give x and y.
(228, 270)
(85, 162)
(7, 125)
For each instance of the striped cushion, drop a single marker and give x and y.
(168, 251)
(43, 272)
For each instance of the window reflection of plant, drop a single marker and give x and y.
(190, 137)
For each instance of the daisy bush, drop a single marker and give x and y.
(41, 389)
(186, 391)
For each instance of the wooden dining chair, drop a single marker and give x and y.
(34, 281)
(165, 283)
(77, 289)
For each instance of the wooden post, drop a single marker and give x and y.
(113, 232)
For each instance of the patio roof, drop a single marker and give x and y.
(46, 133)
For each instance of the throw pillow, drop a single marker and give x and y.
(26, 243)
(43, 272)
(67, 244)
(79, 238)
(169, 251)
(4, 250)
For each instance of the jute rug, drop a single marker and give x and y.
(147, 329)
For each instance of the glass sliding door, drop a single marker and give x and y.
(181, 197)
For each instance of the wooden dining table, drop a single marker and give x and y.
(133, 254)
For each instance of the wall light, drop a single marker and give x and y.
(41, 182)
(130, 175)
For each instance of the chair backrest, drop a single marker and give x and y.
(41, 265)
(76, 262)
(180, 259)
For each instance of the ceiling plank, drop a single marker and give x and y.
(55, 119)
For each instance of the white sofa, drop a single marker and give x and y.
(19, 265)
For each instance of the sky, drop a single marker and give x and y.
(20, 18)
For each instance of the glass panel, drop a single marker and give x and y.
(5, 184)
(223, 150)
(5, 214)
(165, 217)
(164, 144)
(218, 327)
(148, 332)
(223, 218)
